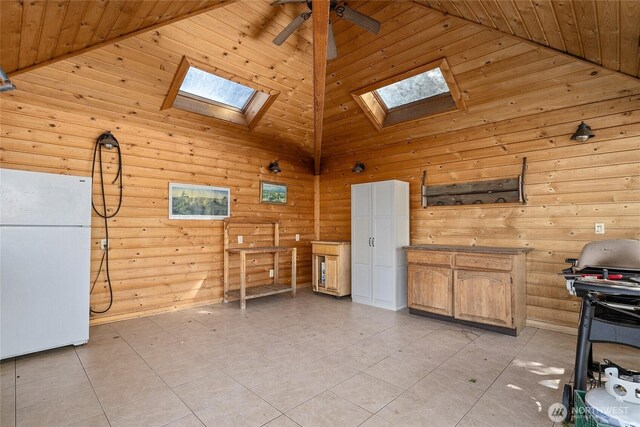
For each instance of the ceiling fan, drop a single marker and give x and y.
(342, 10)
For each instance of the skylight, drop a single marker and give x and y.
(213, 88)
(199, 88)
(416, 88)
(425, 91)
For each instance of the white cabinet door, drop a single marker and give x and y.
(361, 243)
(384, 247)
(379, 229)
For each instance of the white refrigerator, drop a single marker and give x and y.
(45, 251)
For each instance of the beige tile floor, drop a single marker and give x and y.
(308, 361)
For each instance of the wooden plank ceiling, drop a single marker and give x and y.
(606, 32)
(237, 39)
(134, 75)
(35, 31)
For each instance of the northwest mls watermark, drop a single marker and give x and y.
(558, 412)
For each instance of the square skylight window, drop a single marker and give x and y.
(217, 89)
(416, 88)
(199, 88)
(425, 91)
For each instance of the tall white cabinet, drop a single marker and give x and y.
(379, 230)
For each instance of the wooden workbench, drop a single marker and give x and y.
(244, 293)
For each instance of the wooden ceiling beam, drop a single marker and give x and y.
(33, 67)
(320, 39)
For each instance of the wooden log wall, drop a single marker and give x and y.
(50, 124)
(522, 100)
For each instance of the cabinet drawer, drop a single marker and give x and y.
(429, 257)
(484, 262)
(325, 249)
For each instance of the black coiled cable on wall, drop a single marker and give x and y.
(108, 141)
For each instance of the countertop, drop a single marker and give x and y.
(331, 242)
(473, 249)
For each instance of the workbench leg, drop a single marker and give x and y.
(225, 277)
(584, 344)
(294, 272)
(243, 280)
(276, 255)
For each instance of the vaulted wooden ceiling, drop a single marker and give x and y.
(604, 32)
(133, 74)
(34, 31)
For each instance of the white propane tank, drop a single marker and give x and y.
(608, 410)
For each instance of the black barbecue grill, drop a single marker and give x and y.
(607, 278)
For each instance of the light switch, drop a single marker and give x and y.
(240, 239)
(297, 237)
(599, 227)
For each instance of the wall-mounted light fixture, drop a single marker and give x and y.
(358, 167)
(583, 133)
(274, 167)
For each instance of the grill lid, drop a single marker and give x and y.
(622, 254)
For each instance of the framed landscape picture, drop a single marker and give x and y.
(198, 202)
(272, 192)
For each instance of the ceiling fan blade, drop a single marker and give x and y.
(289, 29)
(332, 50)
(359, 19)
(287, 1)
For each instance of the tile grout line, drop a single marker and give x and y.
(498, 376)
(429, 373)
(154, 371)
(185, 403)
(386, 382)
(15, 390)
(92, 388)
(346, 379)
(359, 371)
(145, 362)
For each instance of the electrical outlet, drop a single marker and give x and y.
(103, 244)
(297, 237)
(240, 239)
(271, 273)
(599, 227)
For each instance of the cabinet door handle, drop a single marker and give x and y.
(369, 241)
(373, 242)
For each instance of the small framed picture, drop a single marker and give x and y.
(272, 192)
(188, 201)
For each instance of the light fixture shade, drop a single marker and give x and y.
(274, 167)
(358, 167)
(108, 140)
(583, 133)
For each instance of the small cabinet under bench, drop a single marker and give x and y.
(480, 286)
(331, 269)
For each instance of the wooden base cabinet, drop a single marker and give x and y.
(331, 273)
(474, 285)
